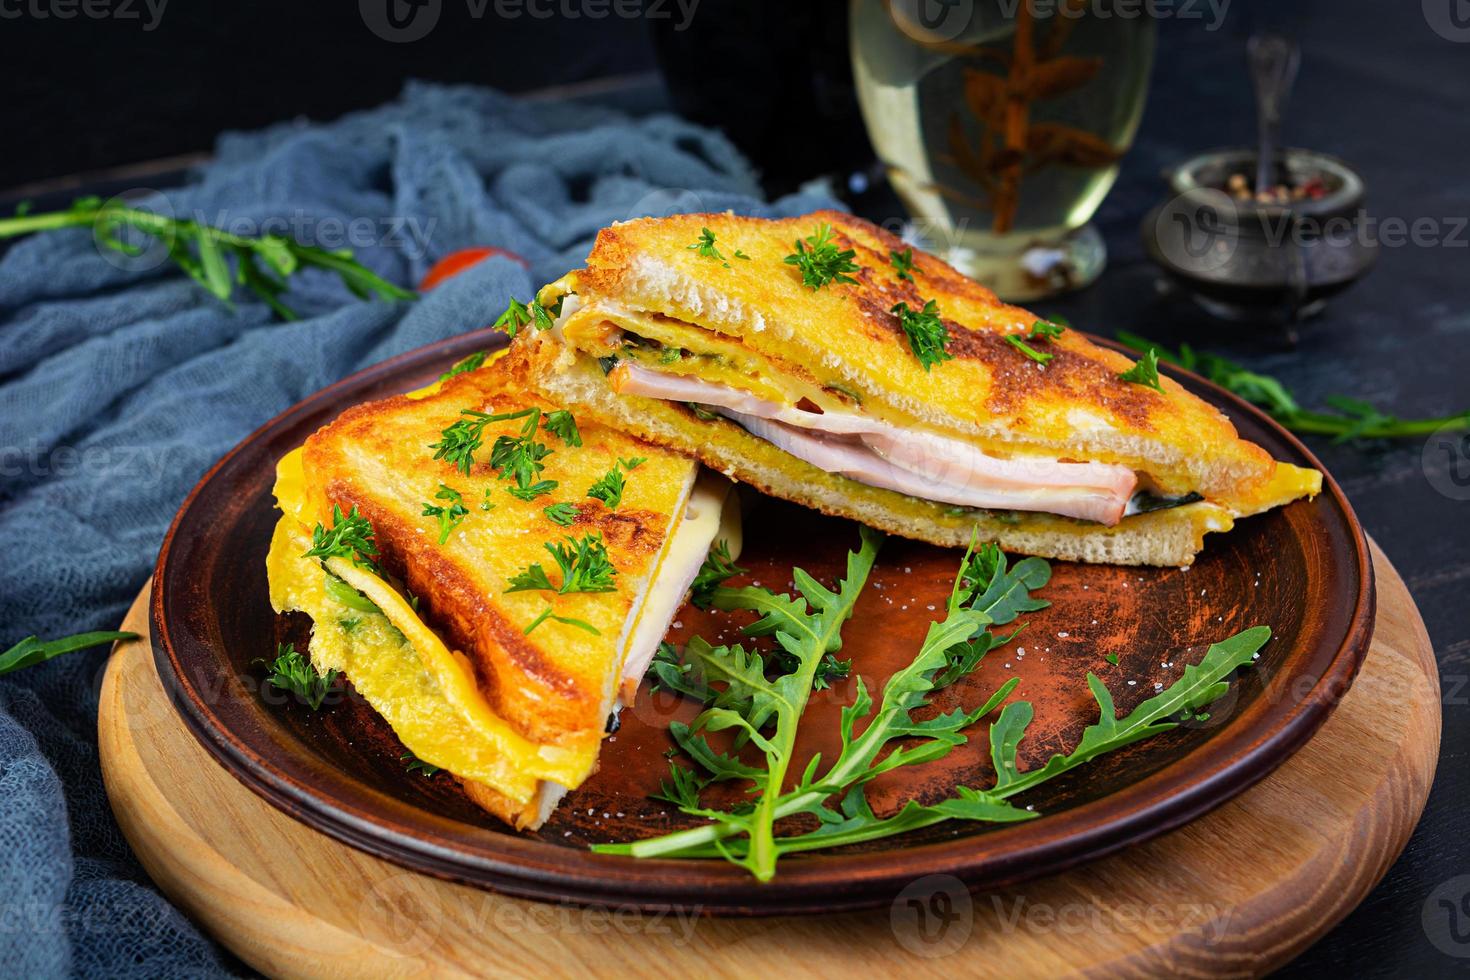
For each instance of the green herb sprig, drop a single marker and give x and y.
(1040, 330)
(412, 763)
(821, 261)
(292, 672)
(518, 315)
(927, 334)
(903, 263)
(546, 614)
(1349, 419)
(350, 536)
(1145, 371)
(609, 487)
(261, 265)
(450, 516)
(584, 566)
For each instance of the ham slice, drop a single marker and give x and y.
(913, 462)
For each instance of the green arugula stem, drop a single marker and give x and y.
(1351, 419)
(262, 264)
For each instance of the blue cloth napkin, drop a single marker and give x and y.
(121, 382)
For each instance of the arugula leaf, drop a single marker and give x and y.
(204, 252)
(684, 791)
(718, 566)
(413, 763)
(1351, 418)
(292, 672)
(820, 260)
(985, 592)
(926, 332)
(31, 651)
(807, 628)
(1200, 685)
(1145, 371)
(670, 673)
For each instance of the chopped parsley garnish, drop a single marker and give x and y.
(1145, 372)
(926, 332)
(1040, 357)
(533, 490)
(564, 514)
(584, 568)
(292, 672)
(472, 363)
(569, 621)
(903, 263)
(450, 517)
(412, 763)
(821, 261)
(487, 504)
(351, 537)
(561, 424)
(1040, 330)
(516, 457)
(518, 315)
(705, 246)
(609, 489)
(718, 566)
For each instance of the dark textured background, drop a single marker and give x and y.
(1378, 87)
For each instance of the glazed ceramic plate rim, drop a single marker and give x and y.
(1230, 761)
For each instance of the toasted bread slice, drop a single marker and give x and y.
(748, 323)
(435, 642)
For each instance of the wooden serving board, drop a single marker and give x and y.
(1237, 892)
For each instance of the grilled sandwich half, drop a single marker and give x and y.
(509, 691)
(820, 360)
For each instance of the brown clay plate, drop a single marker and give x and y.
(1304, 570)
